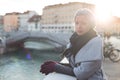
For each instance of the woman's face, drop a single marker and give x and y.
(82, 24)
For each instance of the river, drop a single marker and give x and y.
(24, 64)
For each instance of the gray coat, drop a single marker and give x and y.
(87, 64)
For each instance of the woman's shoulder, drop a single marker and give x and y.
(95, 41)
(91, 51)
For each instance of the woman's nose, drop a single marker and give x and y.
(79, 26)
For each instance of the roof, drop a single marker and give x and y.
(34, 18)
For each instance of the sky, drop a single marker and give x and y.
(23, 5)
(108, 7)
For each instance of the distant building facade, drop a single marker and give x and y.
(34, 23)
(59, 17)
(17, 21)
(24, 18)
(10, 21)
(1, 23)
(1, 20)
(110, 27)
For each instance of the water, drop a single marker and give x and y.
(24, 64)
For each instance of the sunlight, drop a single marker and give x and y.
(115, 8)
(103, 11)
(102, 15)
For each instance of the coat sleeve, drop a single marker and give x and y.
(64, 69)
(86, 69)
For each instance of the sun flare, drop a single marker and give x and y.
(102, 15)
(103, 12)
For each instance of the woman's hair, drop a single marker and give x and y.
(88, 14)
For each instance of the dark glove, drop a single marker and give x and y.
(48, 67)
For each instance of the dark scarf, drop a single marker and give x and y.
(77, 42)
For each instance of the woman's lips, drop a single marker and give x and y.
(80, 31)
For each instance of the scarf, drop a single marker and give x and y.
(78, 41)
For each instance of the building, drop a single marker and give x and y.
(34, 23)
(59, 17)
(1, 20)
(113, 27)
(11, 21)
(1, 24)
(116, 25)
(109, 27)
(23, 19)
(17, 21)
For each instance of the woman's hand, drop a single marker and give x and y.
(48, 67)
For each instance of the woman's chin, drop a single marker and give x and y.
(80, 33)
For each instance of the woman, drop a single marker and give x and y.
(84, 52)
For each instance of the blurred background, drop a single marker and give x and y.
(34, 31)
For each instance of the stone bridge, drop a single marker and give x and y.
(59, 38)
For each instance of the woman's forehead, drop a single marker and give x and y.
(82, 18)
